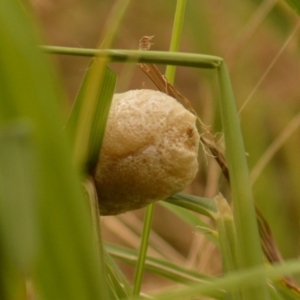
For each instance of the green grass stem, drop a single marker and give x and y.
(29, 91)
(134, 56)
(249, 278)
(203, 206)
(176, 35)
(18, 215)
(97, 70)
(143, 251)
(178, 21)
(159, 266)
(227, 239)
(248, 250)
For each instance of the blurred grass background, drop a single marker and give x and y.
(248, 35)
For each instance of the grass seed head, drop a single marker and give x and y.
(149, 151)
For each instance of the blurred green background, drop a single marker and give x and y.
(259, 41)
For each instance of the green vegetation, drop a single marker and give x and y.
(51, 242)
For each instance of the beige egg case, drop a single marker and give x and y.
(149, 151)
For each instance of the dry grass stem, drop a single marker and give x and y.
(279, 53)
(279, 141)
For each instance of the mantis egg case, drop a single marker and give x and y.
(149, 151)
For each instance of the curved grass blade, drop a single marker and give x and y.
(249, 279)
(134, 56)
(158, 266)
(117, 282)
(104, 96)
(83, 137)
(193, 220)
(203, 206)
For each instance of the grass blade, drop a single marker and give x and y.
(150, 209)
(18, 207)
(226, 234)
(91, 89)
(118, 281)
(64, 226)
(143, 251)
(203, 206)
(192, 219)
(249, 252)
(176, 35)
(104, 96)
(246, 278)
(134, 56)
(158, 266)
(227, 240)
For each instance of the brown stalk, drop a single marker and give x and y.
(268, 243)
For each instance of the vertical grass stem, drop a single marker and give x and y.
(176, 34)
(249, 253)
(178, 21)
(143, 251)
